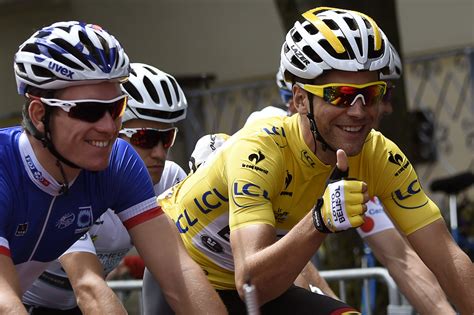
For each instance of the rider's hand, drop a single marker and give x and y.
(343, 203)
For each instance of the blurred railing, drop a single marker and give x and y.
(396, 306)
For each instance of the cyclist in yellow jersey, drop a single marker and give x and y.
(248, 214)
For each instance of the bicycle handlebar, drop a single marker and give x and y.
(453, 185)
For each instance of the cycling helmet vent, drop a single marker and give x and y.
(31, 48)
(74, 53)
(342, 39)
(393, 70)
(297, 63)
(159, 114)
(87, 43)
(332, 25)
(352, 24)
(373, 53)
(330, 50)
(151, 70)
(132, 91)
(311, 29)
(297, 37)
(41, 72)
(175, 87)
(162, 99)
(167, 92)
(311, 54)
(151, 90)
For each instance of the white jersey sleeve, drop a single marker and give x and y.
(84, 244)
(172, 175)
(376, 220)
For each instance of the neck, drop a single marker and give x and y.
(326, 156)
(48, 161)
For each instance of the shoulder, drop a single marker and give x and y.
(268, 131)
(10, 160)
(269, 111)
(9, 138)
(380, 150)
(123, 157)
(172, 169)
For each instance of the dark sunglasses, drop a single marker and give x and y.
(345, 95)
(147, 138)
(88, 110)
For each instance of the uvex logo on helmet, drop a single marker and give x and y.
(60, 69)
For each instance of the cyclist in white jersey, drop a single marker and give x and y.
(148, 124)
(66, 167)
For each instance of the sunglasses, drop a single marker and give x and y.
(88, 110)
(147, 138)
(345, 95)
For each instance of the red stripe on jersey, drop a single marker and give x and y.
(5, 251)
(142, 217)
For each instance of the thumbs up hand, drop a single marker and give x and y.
(343, 203)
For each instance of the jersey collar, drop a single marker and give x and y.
(38, 175)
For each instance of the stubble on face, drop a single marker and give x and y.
(88, 145)
(344, 128)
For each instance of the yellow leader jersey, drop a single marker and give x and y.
(266, 174)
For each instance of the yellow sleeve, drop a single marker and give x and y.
(401, 192)
(254, 167)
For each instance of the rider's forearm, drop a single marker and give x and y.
(193, 294)
(460, 290)
(182, 281)
(11, 304)
(418, 284)
(451, 266)
(310, 275)
(280, 263)
(95, 298)
(10, 292)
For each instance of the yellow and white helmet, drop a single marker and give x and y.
(333, 39)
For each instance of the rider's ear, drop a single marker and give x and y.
(300, 99)
(36, 111)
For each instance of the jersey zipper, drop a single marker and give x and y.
(44, 228)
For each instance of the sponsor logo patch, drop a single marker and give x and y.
(280, 215)
(84, 219)
(255, 158)
(36, 173)
(21, 229)
(288, 180)
(307, 159)
(397, 159)
(411, 197)
(65, 221)
(211, 244)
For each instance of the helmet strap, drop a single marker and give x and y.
(314, 128)
(45, 137)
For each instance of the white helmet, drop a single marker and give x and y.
(69, 53)
(394, 69)
(153, 95)
(205, 147)
(280, 80)
(333, 39)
